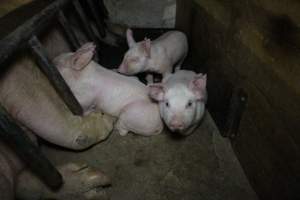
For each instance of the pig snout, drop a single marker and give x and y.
(123, 68)
(176, 124)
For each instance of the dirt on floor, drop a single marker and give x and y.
(201, 166)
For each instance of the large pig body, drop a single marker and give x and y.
(181, 97)
(30, 99)
(100, 89)
(157, 56)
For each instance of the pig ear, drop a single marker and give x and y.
(146, 44)
(198, 86)
(156, 91)
(83, 56)
(130, 40)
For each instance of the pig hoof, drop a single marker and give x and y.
(123, 132)
(121, 128)
(82, 140)
(80, 182)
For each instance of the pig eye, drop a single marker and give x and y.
(167, 104)
(189, 104)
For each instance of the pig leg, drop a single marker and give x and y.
(30, 100)
(6, 187)
(80, 182)
(180, 62)
(140, 117)
(78, 132)
(10, 166)
(6, 178)
(190, 130)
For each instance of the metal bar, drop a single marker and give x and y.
(71, 36)
(99, 22)
(236, 108)
(86, 25)
(54, 76)
(103, 9)
(35, 17)
(28, 152)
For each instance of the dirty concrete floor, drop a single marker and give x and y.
(201, 166)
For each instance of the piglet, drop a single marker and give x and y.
(157, 56)
(100, 89)
(182, 97)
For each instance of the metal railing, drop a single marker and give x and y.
(22, 27)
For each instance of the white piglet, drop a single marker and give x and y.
(100, 89)
(182, 97)
(159, 56)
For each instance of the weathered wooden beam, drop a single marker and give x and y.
(86, 25)
(70, 33)
(25, 21)
(96, 16)
(28, 152)
(48, 68)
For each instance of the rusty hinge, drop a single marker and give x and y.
(237, 106)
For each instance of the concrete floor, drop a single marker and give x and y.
(201, 166)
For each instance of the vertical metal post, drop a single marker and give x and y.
(71, 36)
(236, 108)
(99, 22)
(86, 25)
(28, 152)
(103, 9)
(48, 68)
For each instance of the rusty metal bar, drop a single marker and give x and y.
(28, 152)
(70, 34)
(35, 17)
(48, 68)
(96, 16)
(236, 108)
(104, 11)
(86, 25)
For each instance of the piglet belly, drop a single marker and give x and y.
(115, 91)
(112, 101)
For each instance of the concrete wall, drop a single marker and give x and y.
(142, 13)
(254, 45)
